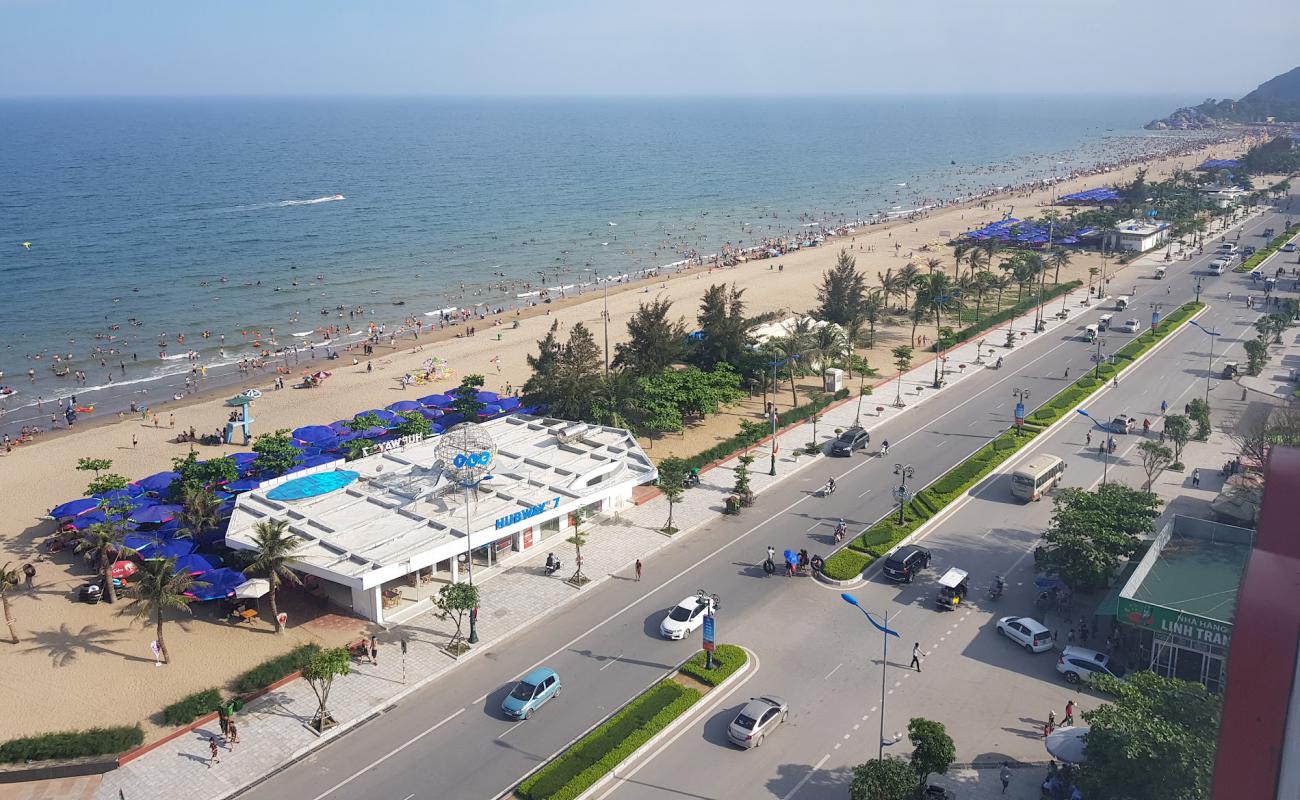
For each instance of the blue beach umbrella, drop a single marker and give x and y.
(74, 507)
(436, 401)
(487, 397)
(157, 482)
(243, 485)
(404, 405)
(216, 584)
(196, 564)
(166, 548)
(508, 403)
(384, 414)
(431, 413)
(135, 541)
(159, 513)
(314, 433)
(83, 521)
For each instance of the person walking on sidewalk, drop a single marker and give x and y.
(916, 657)
(215, 754)
(638, 570)
(1068, 719)
(223, 719)
(1196, 478)
(232, 736)
(374, 650)
(1050, 725)
(1005, 775)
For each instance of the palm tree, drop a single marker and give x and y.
(934, 264)
(907, 280)
(828, 345)
(889, 285)
(1059, 257)
(200, 511)
(989, 248)
(999, 283)
(103, 541)
(873, 305)
(275, 547)
(853, 337)
(959, 253)
(971, 285)
(977, 260)
(159, 587)
(793, 349)
(8, 582)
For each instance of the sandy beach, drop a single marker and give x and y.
(98, 661)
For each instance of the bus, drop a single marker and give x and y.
(1031, 480)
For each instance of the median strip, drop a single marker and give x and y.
(1256, 258)
(593, 756)
(877, 540)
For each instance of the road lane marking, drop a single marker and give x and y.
(384, 758)
(804, 780)
(857, 725)
(832, 672)
(837, 745)
(814, 525)
(611, 662)
(511, 728)
(864, 494)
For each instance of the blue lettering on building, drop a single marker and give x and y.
(527, 513)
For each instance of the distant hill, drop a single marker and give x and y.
(1277, 97)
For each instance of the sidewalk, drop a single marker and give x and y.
(273, 729)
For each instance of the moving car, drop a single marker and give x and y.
(1103, 322)
(855, 438)
(1121, 303)
(1227, 248)
(756, 720)
(1218, 265)
(1130, 326)
(1289, 247)
(1080, 663)
(902, 565)
(1121, 423)
(531, 693)
(686, 617)
(1027, 632)
(1031, 480)
(1247, 252)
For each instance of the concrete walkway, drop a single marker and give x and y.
(273, 729)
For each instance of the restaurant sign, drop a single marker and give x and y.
(527, 513)
(1175, 623)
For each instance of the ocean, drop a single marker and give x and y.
(149, 219)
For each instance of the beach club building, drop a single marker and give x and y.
(1137, 235)
(382, 533)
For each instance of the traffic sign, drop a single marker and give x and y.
(708, 633)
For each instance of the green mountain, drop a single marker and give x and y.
(1278, 98)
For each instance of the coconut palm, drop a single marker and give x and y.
(989, 248)
(200, 511)
(854, 335)
(889, 285)
(959, 253)
(873, 306)
(274, 547)
(828, 345)
(934, 264)
(8, 582)
(158, 588)
(978, 261)
(103, 541)
(1059, 257)
(907, 280)
(999, 284)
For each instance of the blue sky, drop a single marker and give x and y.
(667, 47)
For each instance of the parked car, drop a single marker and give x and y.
(756, 720)
(1080, 663)
(686, 617)
(1027, 632)
(1130, 326)
(1248, 251)
(855, 438)
(1121, 423)
(531, 693)
(902, 565)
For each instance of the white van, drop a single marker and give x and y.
(1228, 248)
(1031, 480)
(1103, 323)
(1218, 266)
(1121, 304)
(1090, 333)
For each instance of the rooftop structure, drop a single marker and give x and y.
(1138, 235)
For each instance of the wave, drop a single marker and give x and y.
(334, 198)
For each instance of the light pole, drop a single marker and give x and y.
(1198, 289)
(469, 554)
(1209, 366)
(1098, 358)
(606, 315)
(1021, 396)
(774, 364)
(857, 418)
(1105, 445)
(904, 471)
(885, 633)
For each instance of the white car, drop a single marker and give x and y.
(1218, 265)
(1080, 663)
(1030, 633)
(1130, 326)
(1289, 247)
(686, 617)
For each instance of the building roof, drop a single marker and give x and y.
(1259, 737)
(402, 507)
(1134, 227)
(1195, 575)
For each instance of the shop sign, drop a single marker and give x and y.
(1175, 623)
(527, 513)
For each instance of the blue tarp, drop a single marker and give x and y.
(1093, 196)
(1220, 163)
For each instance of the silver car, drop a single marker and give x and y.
(756, 720)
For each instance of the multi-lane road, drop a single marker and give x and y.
(450, 741)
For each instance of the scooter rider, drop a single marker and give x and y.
(830, 486)
(884, 448)
(840, 530)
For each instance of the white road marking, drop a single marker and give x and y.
(857, 725)
(611, 662)
(814, 525)
(864, 494)
(847, 736)
(384, 758)
(832, 672)
(511, 728)
(837, 745)
(811, 772)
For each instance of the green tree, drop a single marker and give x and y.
(672, 478)
(902, 361)
(273, 551)
(841, 292)
(464, 398)
(1155, 457)
(1091, 532)
(1256, 356)
(355, 448)
(1157, 739)
(891, 283)
(723, 325)
(1058, 257)
(200, 511)
(873, 307)
(932, 747)
(907, 278)
(1178, 430)
(158, 588)
(103, 541)
(566, 378)
(276, 454)
(741, 489)
(828, 346)
(412, 423)
(320, 672)
(8, 582)
(366, 421)
(196, 474)
(654, 341)
(578, 538)
(455, 600)
(95, 465)
(883, 779)
(110, 482)
(1199, 411)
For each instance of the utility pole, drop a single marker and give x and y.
(606, 327)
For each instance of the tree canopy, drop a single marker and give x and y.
(1091, 532)
(196, 474)
(464, 398)
(883, 779)
(276, 454)
(842, 291)
(724, 326)
(655, 342)
(932, 747)
(566, 376)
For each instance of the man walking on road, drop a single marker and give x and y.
(638, 570)
(916, 657)
(1068, 719)
(1006, 776)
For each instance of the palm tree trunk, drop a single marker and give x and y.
(275, 610)
(110, 594)
(162, 646)
(9, 618)
(794, 396)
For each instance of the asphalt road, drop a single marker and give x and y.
(450, 741)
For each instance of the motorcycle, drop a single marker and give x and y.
(840, 531)
(552, 565)
(691, 480)
(995, 591)
(829, 488)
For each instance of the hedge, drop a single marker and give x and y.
(600, 751)
(1009, 313)
(268, 672)
(191, 707)
(1257, 257)
(729, 447)
(727, 658)
(72, 744)
(880, 538)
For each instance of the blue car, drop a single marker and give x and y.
(532, 691)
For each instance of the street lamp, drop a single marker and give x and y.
(904, 471)
(1209, 366)
(1098, 358)
(1021, 396)
(885, 633)
(774, 364)
(1105, 446)
(1198, 289)
(1155, 317)
(469, 553)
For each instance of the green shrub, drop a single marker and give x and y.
(1008, 313)
(600, 751)
(729, 447)
(727, 658)
(71, 744)
(268, 672)
(846, 565)
(191, 707)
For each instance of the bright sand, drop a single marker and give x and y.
(79, 665)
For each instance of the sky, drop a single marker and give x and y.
(1196, 48)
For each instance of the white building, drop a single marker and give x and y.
(1136, 235)
(1224, 196)
(381, 533)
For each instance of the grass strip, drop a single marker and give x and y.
(885, 534)
(1256, 258)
